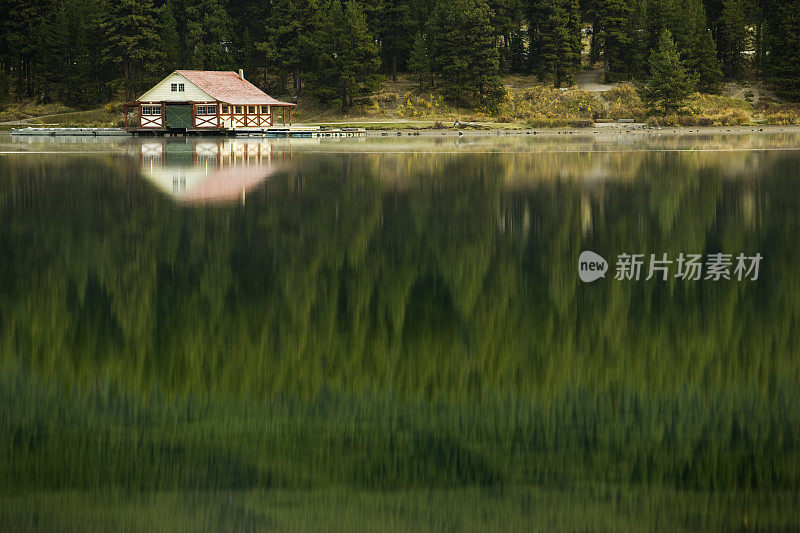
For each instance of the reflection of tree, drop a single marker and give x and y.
(452, 289)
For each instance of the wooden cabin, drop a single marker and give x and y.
(207, 101)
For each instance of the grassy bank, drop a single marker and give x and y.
(527, 104)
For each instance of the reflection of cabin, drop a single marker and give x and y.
(207, 101)
(208, 171)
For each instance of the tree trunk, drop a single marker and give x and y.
(759, 49)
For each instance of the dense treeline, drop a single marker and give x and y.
(83, 52)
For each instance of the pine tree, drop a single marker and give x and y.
(561, 49)
(464, 58)
(536, 16)
(249, 30)
(695, 43)
(732, 37)
(518, 54)
(782, 43)
(704, 63)
(346, 56)
(23, 30)
(288, 48)
(687, 22)
(170, 41)
(612, 36)
(670, 84)
(209, 35)
(132, 44)
(507, 23)
(394, 23)
(54, 40)
(418, 61)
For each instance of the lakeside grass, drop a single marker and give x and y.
(528, 104)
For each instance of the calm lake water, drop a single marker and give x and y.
(391, 334)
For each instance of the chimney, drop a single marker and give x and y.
(241, 74)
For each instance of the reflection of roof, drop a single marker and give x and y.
(228, 87)
(227, 184)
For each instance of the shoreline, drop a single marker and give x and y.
(603, 129)
(600, 129)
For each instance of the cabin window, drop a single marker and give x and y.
(238, 110)
(225, 109)
(173, 87)
(211, 110)
(201, 110)
(151, 110)
(180, 87)
(264, 109)
(251, 110)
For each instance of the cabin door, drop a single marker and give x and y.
(178, 116)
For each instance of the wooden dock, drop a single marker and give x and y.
(313, 132)
(309, 132)
(71, 132)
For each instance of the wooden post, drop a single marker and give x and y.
(219, 107)
(194, 115)
(290, 116)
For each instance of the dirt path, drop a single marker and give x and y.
(592, 80)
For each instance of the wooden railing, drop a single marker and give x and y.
(206, 121)
(150, 121)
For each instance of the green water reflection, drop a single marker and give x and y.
(392, 333)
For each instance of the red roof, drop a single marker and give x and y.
(228, 87)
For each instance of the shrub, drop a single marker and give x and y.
(416, 106)
(780, 114)
(544, 106)
(732, 118)
(624, 102)
(783, 118)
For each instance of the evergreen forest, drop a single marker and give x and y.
(87, 52)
